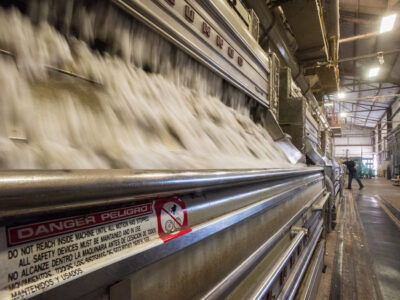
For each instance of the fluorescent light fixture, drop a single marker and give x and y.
(373, 72)
(341, 95)
(343, 114)
(387, 23)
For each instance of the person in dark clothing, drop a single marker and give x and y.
(351, 166)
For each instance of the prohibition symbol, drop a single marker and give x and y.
(171, 218)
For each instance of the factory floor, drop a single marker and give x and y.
(363, 252)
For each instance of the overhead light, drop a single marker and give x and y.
(343, 114)
(373, 72)
(387, 23)
(341, 95)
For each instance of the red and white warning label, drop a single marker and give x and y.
(39, 256)
(171, 218)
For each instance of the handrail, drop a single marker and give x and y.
(312, 281)
(128, 181)
(223, 286)
(19, 188)
(263, 289)
(290, 288)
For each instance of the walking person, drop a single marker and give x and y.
(351, 166)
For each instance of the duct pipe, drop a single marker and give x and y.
(333, 28)
(331, 189)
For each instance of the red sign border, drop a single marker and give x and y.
(158, 205)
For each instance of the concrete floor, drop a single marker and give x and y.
(363, 252)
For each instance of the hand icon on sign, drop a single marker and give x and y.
(171, 217)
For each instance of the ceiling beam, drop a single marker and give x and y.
(366, 21)
(364, 81)
(361, 104)
(373, 89)
(372, 14)
(361, 118)
(368, 110)
(366, 56)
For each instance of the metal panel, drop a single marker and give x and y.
(209, 31)
(221, 212)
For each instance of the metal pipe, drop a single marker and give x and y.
(119, 182)
(369, 98)
(266, 284)
(35, 189)
(358, 37)
(220, 290)
(393, 51)
(333, 27)
(292, 284)
(316, 270)
(331, 189)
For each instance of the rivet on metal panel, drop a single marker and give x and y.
(240, 61)
(220, 41)
(189, 13)
(172, 2)
(206, 29)
(231, 52)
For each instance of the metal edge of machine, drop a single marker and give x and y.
(333, 178)
(202, 30)
(212, 33)
(213, 210)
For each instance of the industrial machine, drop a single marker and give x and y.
(394, 146)
(210, 234)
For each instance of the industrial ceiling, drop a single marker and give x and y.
(364, 98)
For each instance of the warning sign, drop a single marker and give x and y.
(171, 218)
(39, 256)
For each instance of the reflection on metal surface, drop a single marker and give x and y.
(290, 288)
(54, 190)
(277, 267)
(313, 154)
(229, 281)
(381, 230)
(291, 152)
(310, 287)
